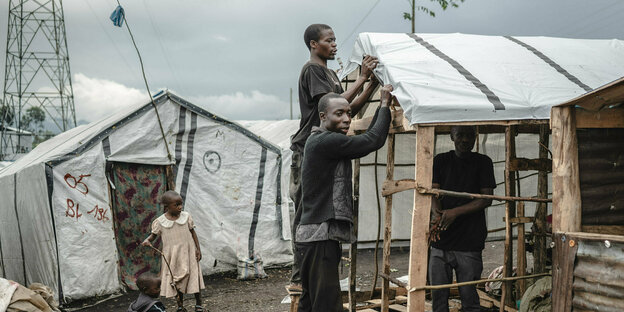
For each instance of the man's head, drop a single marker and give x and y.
(172, 202)
(335, 113)
(320, 40)
(149, 284)
(464, 138)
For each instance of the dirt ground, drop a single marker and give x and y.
(224, 293)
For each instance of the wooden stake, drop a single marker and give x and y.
(566, 184)
(420, 217)
(539, 250)
(521, 284)
(473, 195)
(353, 247)
(510, 212)
(385, 286)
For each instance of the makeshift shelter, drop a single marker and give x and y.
(588, 201)
(501, 85)
(15, 143)
(76, 208)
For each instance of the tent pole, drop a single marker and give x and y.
(385, 293)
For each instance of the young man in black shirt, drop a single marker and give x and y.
(327, 209)
(315, 81)
(458, 229)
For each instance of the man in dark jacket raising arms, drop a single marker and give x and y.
(327, 208)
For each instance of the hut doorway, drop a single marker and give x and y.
(135, 191)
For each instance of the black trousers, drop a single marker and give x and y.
(468, 266)
(319, 276)
(295, 195)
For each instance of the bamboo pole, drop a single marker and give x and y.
(385, 287)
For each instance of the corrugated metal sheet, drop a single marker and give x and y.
(599, 276)
(601, 170)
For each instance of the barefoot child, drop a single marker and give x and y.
(149, 285)
(180, 248)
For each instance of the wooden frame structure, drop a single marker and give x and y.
(425, 146)
(588, 259)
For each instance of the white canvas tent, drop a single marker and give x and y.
(462, 77)
(59, 224)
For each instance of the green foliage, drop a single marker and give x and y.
(444, 4)
(6, 115)
(33, 119)
(42, 136)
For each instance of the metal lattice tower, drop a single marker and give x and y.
(37, 68)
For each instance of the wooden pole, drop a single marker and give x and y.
(385, 287)
(565, 176)
(521, 284)
(510, 212)
(473, 195)
(539, 250)
(353, 246)
(481, 281)
(420, 217)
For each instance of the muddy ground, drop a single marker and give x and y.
(224, 293)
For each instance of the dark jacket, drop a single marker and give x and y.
(326, 185)
(145, 303)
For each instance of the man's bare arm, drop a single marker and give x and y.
(368, 64)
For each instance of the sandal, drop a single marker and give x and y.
(199, 308)
(181, 309)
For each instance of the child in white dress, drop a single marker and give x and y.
(180, 249)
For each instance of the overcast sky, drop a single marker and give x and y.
(240, 58)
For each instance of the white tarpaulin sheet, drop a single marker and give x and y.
(460, 77)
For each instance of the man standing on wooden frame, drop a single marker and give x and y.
(458, 228)
(327, 203)
(315, 81)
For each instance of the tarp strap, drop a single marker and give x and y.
(189, 157)
(493, 98)
(50, 183)
(552, 63)
(256, 212)
(19, 227)
(106, 147)
(179, 136)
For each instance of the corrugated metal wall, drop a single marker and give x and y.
(599, 276)
(601, 169)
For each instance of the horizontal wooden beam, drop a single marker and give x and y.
(482, 281)
(439, 192)
(606, 118)
(525, 164)
(399, 123)
(394, 186)
(604, 229)
(520, 220)
(595, 236)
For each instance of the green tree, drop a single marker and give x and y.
(444, 4)
(33, 119)
(6, 115)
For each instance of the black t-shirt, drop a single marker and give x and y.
(469, 174)
(314, 80)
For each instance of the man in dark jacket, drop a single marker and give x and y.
(315, 81)
(327, 211)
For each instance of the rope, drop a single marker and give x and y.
(162, 131)
(170, 272)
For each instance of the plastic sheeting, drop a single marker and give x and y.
(237, 206)
(461, 77)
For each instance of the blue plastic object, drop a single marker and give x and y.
(118, 16)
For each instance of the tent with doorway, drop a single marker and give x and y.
(75, 209)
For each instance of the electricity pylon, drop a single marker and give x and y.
(36, 70)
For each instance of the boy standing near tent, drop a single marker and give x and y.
(180, 250)
(315, 81)
(458, 229)
(327, 206)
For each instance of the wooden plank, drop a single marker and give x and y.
(391, 187)
(398, 308)
(566, 185)
(539, 250)
(606, 118)
(510, 212)
(609, 94)
(488, 122)
(387, 240)
(353, 247)
(525, 164)
(596, 237)
(564, 255)
(521, 252)
(484, 297)
(420, 217)
(521, 220)
(359, 125)
(604, 229)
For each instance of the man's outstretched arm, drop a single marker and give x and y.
(368, 64)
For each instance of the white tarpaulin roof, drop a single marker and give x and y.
(461, 77)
